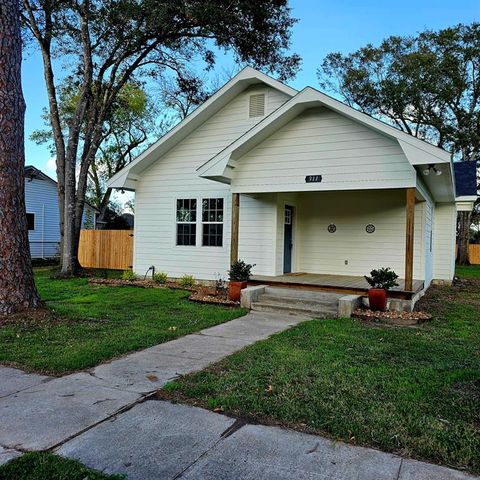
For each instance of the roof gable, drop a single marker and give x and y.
(246, 78)
(417, 151)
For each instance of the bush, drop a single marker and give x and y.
(382, 278)
(129, 275)
(187, 281)
(160, 277)
(240, 271)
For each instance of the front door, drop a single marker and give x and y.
(288, 239)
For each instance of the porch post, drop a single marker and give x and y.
(235, 222)
(409, 235)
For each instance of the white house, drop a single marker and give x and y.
(41, 201)
(323, 193)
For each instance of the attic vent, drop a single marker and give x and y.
(256, 106)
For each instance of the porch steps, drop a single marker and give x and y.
(298, 302)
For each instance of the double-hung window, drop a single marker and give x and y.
(186, 221)
(212, 222)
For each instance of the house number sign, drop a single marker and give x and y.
(313, 178)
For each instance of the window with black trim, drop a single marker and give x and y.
(187, 221)
(212, 222)
(31, 221)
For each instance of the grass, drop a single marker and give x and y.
(472, 271)
(415, 391)
(87, 324)
(42, 466)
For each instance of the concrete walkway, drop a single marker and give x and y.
(106, 419)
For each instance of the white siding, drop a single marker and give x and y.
(41, 200)
(444, 241)
(428, 208)
(174, 176)
(318, 251)
(257, 232)
(347, 154)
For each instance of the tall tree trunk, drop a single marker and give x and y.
(17, 288)
(69, 264)
(463, 239)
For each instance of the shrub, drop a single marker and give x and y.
(160, 277)
(240, 271)
(187, 281)
(382, 278)
(129, 275)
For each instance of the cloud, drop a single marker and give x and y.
(52, 164)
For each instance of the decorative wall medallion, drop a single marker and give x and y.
(370, 228)
(332, 228)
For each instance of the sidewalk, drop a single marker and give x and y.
(106, 419)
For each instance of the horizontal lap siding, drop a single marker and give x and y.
(319, 142)
(41, 200)
(319, 251)
(444, 241)
(174, 176)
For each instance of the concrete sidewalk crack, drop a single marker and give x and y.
(124, 409)
(237, 425)
(399, 469)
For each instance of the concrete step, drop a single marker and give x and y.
(299, 293)
(290, 309)
(302, 303)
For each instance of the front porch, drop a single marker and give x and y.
(348, 284)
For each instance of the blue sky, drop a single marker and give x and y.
(323, 27)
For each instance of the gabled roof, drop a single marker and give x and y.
(219, 167)
(34, 173)
(127, 177)
(465, 179)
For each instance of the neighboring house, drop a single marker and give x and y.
(318, 188)
(41, 201)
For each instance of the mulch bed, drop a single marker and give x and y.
(200, 293)
(392, 317)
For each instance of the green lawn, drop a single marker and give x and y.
(88, 324)
(43, 466)
(473, 271)
(415, 391)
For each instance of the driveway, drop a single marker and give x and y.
(108, 419)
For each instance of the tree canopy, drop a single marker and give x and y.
(427, 85)
(102, 46)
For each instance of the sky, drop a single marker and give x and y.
(323, 26)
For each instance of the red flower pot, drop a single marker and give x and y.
(377, 299)
(234, 289)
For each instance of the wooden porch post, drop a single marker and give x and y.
(235, 222)
(409, 235)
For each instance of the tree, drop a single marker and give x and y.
(427, 85)
(17, 288)
(130, 126)
(107, 44)
(132, 122)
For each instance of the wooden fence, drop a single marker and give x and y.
(474, 254)
(112, 249)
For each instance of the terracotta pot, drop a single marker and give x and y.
(234, 289)
(377, 299)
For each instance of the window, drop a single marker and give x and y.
(256, 105)
(212, 222)
(31, 221)
(186, 221)
(288, 216)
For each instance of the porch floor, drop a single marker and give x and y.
(337, 283)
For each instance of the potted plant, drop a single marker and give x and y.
(239, 275)
(380, 280)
